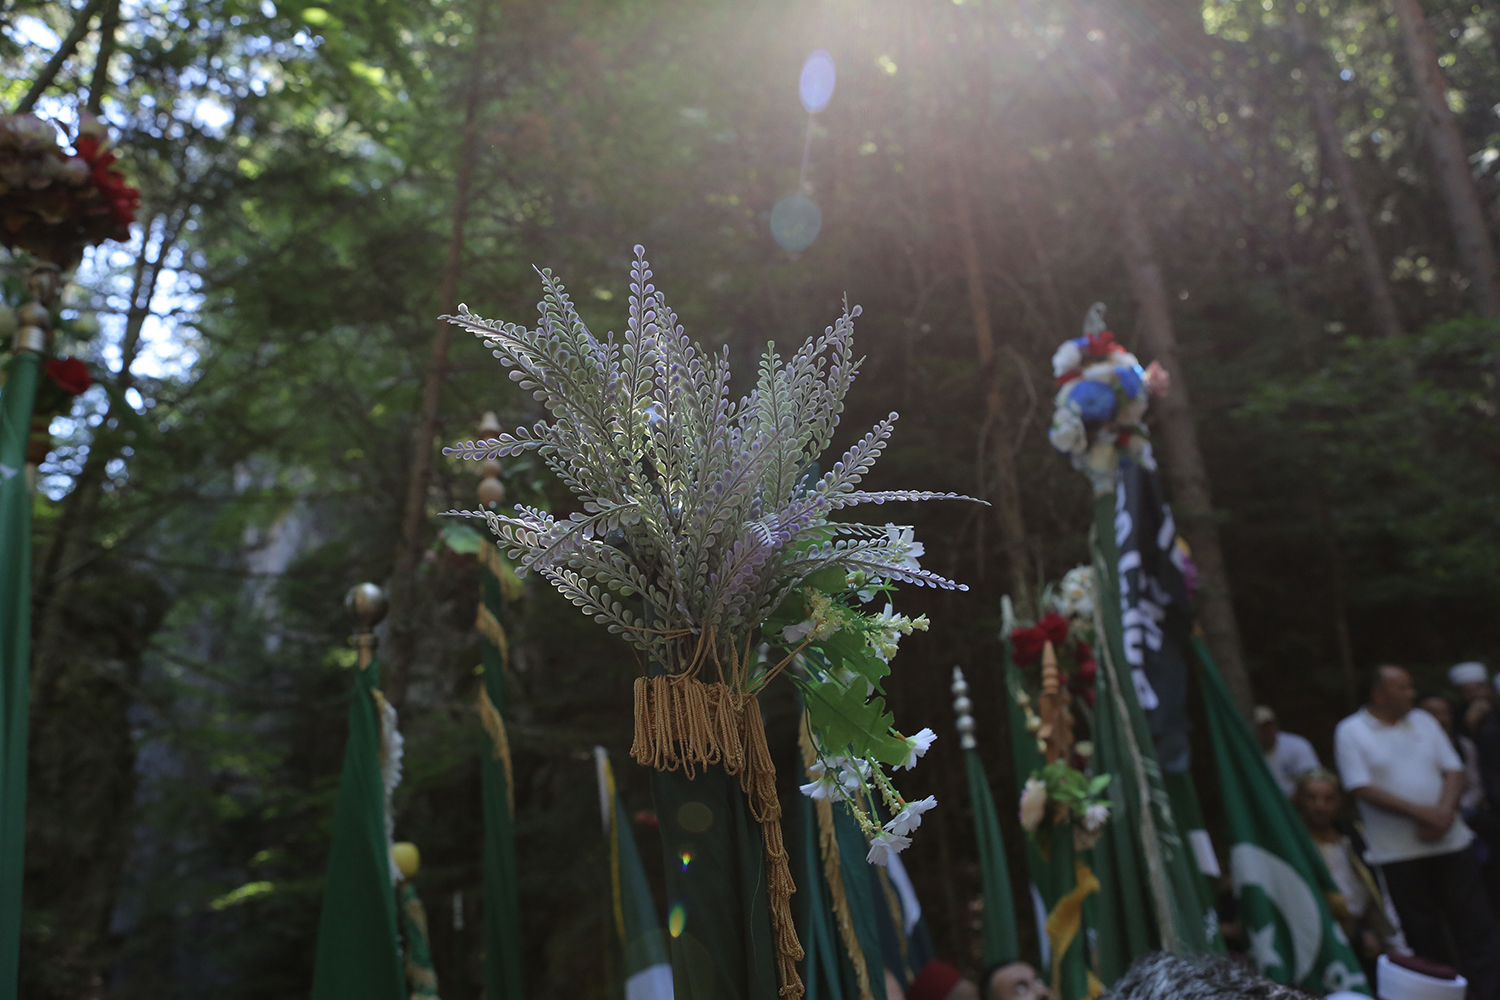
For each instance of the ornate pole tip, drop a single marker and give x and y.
(962, 706)
(367, 603)
(489, 422)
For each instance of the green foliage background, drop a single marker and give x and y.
(201, 520)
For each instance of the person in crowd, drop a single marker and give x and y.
(940, 981)
(1472, 799)
(1287, 754)
(1472, 682)
(1360, 908)
(1406, 777)
(893, 990)
(1012, 979)
(1161, 976)
(1407, 977)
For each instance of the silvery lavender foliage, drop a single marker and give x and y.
(694, 503)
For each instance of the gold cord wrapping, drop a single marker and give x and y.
(489, 626)
(494, 724)
(681, 722)
(833, 871)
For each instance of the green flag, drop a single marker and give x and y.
(502, 910)
(1149, 882)
(648, 969)
(358, 955)
(999, 932)
(1278, 874)
(16, 400)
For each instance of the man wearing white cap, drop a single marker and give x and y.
(1288, 755)
(1402, 769)
(1472, 681)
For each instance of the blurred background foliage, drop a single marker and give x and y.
(264, 337)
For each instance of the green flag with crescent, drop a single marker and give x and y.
(1279, 877)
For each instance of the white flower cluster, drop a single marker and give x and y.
(843, 779)
(1074, 596)
(1101, 402)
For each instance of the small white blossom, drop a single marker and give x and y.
(825, 784)
(1033, 804)
(1095, 816)
(1067, 358)
(906, 537)
(907, 820)
(892, 628)
(916, 746)
(797, 632)
(884, 846)
(1067, 434)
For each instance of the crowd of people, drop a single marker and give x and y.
(1417, 863)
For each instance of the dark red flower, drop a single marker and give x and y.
(1055, 627)
(1083, 653)
(1026, 645)
(1087, 671)
(70, 374)
(1101, 345)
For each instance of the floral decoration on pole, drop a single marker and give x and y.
(1101, 401)
(704, 531)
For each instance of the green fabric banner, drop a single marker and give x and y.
(502, 908)
(999, 935)
(719, 915)
(1278, 874)
(648, 970)
(358, 955)
(1148, 880)
(16, 399)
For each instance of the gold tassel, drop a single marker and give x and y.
(833, 871)
(494, 724)
(680, 722)
(511, 587)
(489, 626)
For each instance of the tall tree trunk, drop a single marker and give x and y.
(1336, 162)
(412, 540)
(1185, 471)
(1471, 232)
(109, 25)
(997, 423)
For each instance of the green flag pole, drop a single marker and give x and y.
(648, 969)
(1279, 875)
(999, 935)
(502, 908)
(17, 397)
(1149, 859)
(358, 953)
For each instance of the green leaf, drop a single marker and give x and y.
(844, 720)
(462, 539)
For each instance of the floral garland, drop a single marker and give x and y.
(54, 203)
(1101, 402)
(1056, 660)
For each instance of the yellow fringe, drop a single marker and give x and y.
(494, 724)
(681, 722)
(511, 587)
(385, 737)
(1066, 918)
(489, 626)
(833, 871)
(898, 915)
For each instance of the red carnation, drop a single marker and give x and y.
(1101, 345)
(1026, 645)
(70, 374)
(1055, 627)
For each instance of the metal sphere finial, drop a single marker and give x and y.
(367, 603)
(962, 706)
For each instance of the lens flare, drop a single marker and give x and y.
(687, 859)
(796, 222)
(816, 83)
(676, 919)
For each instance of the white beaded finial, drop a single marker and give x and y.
(962, 706)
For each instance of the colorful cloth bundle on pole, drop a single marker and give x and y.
(358, 952)
(648, 971)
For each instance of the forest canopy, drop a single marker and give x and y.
(1276, 188)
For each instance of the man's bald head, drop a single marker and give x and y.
(1392, 693)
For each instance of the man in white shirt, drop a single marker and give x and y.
(1401, 767)
(1288, 755)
